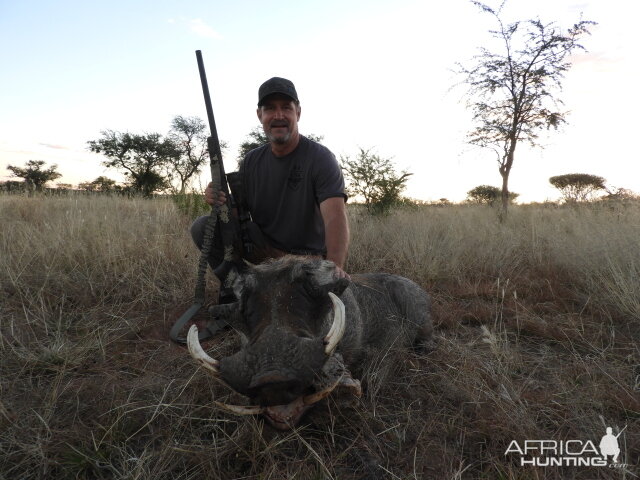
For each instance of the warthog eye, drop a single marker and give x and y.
(312, 290)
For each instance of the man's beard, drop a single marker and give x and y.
(280, 139)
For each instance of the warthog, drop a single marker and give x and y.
(303, 329)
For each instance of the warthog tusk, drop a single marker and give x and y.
(196, 351)
(257, 410)
(337, 328)
(241, 410)
(316, 397)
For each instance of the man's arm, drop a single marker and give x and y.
(336, 230)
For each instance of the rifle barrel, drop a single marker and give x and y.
(205, 91)
(217, 167)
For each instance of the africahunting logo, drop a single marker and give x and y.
(569, 453)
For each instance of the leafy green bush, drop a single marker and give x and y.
(191, 204)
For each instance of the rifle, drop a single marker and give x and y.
(220, 216)
(228, 225)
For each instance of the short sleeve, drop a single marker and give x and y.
(329, 181)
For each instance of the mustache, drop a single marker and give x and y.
(279, 123)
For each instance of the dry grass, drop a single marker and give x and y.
(537, 320)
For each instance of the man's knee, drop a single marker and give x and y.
(197, 230)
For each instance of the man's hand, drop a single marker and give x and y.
(339, 273)
(212, 199)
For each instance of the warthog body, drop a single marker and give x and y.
(285, 313)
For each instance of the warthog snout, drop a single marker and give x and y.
(275, 389)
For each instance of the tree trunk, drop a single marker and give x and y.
(502, 214)
(505, 169)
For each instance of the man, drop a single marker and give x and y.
(609, 445)
(293, 187)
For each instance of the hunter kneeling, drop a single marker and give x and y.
(290, 192)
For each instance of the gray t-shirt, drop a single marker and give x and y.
(284, 194)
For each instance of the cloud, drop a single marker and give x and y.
(200, 28)
(57, 147)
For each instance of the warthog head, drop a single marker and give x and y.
(291, 319)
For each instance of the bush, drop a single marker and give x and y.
(376, 180)
(488, 195)
(191, 204)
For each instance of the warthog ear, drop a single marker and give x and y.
(322, 276)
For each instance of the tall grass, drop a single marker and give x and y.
(537, 328)
(595, 248)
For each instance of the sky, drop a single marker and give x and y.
(374, 74)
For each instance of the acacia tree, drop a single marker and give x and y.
(578, 187)
(100, 184)
(375, 179)
(254, 139)
(189, 135)
(142, 157)
(487, 195)
(34, 175)
(513, 92)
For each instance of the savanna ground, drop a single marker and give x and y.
(537, 325)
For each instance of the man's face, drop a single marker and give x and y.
(279, 116)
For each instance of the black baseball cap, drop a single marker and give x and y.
(277, 85)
